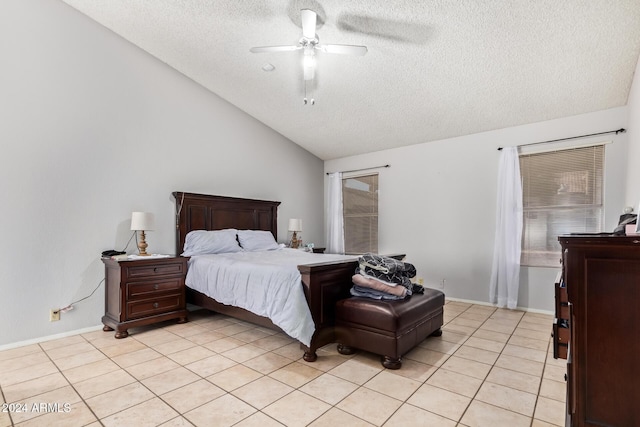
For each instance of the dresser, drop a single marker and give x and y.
(142, 292)
(602, 279)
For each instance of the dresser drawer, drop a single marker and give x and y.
(138, 290)
(152, 270)
(149, 307)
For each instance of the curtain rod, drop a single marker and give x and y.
(364, 169)
(621, 130)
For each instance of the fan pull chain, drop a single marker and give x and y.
(306, 101)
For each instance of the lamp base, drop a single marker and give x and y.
(295, 243)
(142, 245)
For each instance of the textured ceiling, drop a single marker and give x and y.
(434, 69)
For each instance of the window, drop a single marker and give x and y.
(360, 211)
(562, 193)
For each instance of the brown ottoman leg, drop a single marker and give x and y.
(436, 333)
(345, 349)
(391, 362)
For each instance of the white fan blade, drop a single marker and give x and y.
(343, 49)
(264, 49)
(308, 18)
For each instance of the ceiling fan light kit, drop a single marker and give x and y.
(309, 43)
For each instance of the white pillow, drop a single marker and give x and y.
(199, 242)
(257, 240)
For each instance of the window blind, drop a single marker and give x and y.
(360, 211)
(562, 193)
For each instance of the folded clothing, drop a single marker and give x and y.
(371, 283)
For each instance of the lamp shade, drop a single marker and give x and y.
(142, 221)
(295, 224)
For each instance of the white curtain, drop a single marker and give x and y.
(505, 274)
(335, 221)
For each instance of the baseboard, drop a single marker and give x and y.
(488, 304)
(50, 337)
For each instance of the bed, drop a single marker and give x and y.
(323, 283)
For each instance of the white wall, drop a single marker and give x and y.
(633, 165)
(92, 129)
(437, 202)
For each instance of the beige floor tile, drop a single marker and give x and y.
(555, 390)
(233, 329)
(268, 362)
(520, 365)
(538, 423)
(497, 325)
(429, 357)
(480, 414)
(192, 395)
(234, 377)
(329, 388)
(185, 329)
(79, 359)
(355, 371)
(335, 417)
(25, 361)
(439, 401)
(475, 315)
(458, 329)
(484, 344)
(262, 392)
(296, 374)
(258, 419)
(149, 413)
(370, 406)
(527, 342)
(90, 370)
(224, 411)
(243, 353)
(440, 346)
(62, 342)
(154, 337)
(70, 350)
(20, 352)
(190, 355)
(525, 353)
(294, 352)
(173, 346)
(75, 415)
(34, 387)
(150, 368)
(416, 370)
(211, 337)
(44, 403)
(461, 321)
(128, 346)
(177, 422)
(467, 367)
(170, 380)
(545, 326)
(296, 409)
(455, 382)
(518, 380)
(210, 365)
(103, 383)
(528, 333)
(508, 398)
(409, 415)
(117, 400)
(136, 357)
(477, 354)
(251, 335)
(392, 385)
(554, 373)
(27, 373)
(491, 335)
(550, 411)
(273, 342)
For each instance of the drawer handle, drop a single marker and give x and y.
(155, 269)
(565, 377)
(156, 286)
(155, 305)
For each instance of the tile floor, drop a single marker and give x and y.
(491, 367)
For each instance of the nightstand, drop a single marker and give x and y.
(318, 250)
(142, 292)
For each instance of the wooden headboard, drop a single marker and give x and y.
(205, 212)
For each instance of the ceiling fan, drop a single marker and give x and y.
(309, 43)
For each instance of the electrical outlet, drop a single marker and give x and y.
(54, 315)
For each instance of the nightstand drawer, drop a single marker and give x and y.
(136, 309)
(149, 289)
(150, 270)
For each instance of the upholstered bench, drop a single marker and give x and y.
(388, 328)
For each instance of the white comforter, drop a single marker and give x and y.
(266, 283)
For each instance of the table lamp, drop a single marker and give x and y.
(295, 225)
(142, 221)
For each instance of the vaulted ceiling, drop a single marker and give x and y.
(433, 70)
